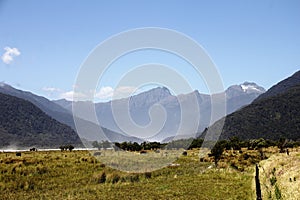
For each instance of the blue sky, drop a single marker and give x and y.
(48, 40)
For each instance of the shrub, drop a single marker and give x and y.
(273, 180)
(217, 151)
(130, 178)
(273, 171)
(246, 156)
(143, 152)
(135, 178)
(148, 174)
(41, 169)
(102, 165)
(277, 192)
(234, 165)
(102, 178)
(115, 178)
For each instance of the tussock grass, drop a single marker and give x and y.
(78, 175)
(136, 162)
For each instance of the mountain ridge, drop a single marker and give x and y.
(281, 86)
(90, 130)
(140, 105)
(273, 116)
(24, 124)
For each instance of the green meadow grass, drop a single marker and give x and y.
(78, 175)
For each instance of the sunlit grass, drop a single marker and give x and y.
(78, 175)
(281, 171)
(137, 162)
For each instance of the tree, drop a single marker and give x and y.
(62, 148)
(70, 147)
(105, 144)
(234, 143)
(66, 147)
(117, 146)
(144, 145)
(218, 150)
(136, 146)
(196, 143)
(261, 143)
(95, 144)
(281, 144)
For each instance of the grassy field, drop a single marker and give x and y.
(137, 162)
(78, 175)
(280, 176)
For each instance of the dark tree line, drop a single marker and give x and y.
(233, 143)
(129, 146)
(102, 145)
(66, 147)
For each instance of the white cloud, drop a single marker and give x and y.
(71, 95)
(9, 54)
(51, 89)
(57, 93)
(108, 92)
(52, 92)
(105, 93)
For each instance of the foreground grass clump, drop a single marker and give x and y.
(78, 175)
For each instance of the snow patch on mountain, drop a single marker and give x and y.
(252, 87)
(249, 87)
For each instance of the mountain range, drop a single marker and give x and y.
(90, 130)
(139, 106)
(251, 112)
(161, 105)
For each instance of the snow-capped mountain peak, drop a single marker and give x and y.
(252, 87)
(243, 89)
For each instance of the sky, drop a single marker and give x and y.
(44, 43)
